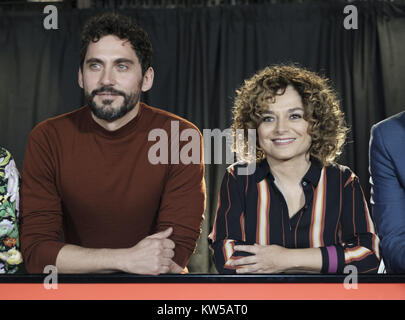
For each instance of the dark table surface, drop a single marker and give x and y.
(202, 278)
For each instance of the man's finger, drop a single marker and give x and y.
(175, 268)
(164, 269)
(162, 234)
(166, 262)
(168, 253)
(168, 244)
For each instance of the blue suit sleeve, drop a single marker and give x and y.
(388, 202)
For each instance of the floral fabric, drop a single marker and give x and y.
(10, 256)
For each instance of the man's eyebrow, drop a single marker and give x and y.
(124, 60)
(117, 61)
(93, 60)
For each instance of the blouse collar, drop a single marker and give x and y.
(312, 175)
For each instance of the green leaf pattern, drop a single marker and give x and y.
(10, 256)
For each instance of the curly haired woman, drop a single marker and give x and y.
(299, 212)
(10, 256)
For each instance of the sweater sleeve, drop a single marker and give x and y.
(359, 245)
(183, 199)
(229, 225)
(41, 212)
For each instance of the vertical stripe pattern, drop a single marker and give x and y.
(318, 212)
(228, 251)
(263, 209)
(335, 218)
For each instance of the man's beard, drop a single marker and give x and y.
(107, 113)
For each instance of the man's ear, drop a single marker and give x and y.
(80, 78)
(148, 79)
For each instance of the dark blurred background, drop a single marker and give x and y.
(203, 50)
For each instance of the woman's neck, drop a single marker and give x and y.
(290, 171)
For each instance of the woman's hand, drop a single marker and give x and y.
(265, 259)
(277, 259)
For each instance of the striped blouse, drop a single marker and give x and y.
(334, 218)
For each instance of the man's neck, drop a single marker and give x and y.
(119, 123)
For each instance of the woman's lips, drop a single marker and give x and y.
(283, 141)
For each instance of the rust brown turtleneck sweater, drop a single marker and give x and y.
(97, 189)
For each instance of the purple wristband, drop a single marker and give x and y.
(333, 261)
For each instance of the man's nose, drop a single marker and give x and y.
(107, 77)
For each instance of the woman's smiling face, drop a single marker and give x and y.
(283, 131)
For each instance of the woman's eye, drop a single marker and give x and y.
(268, 119)
(296, 116)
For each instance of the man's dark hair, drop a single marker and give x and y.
(124, 28)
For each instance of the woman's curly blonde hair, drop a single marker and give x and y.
(327, 126)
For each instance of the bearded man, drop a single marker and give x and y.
(92, 200)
